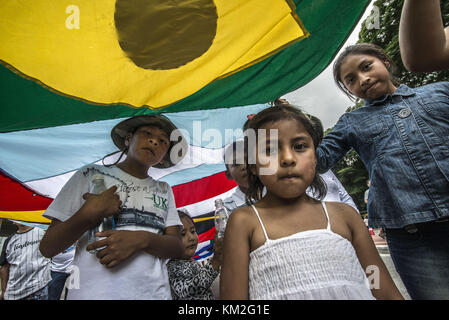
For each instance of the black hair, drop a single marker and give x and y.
(281, 111)
(318, 127)
(117, 161)
(183, 214)
(366, 49)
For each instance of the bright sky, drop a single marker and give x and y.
(321, 97)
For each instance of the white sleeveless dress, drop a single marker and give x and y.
(309, 265)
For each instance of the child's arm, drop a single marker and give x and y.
(382, 285)
(423, 40)
(333, 146)
(168, 245)
(121, 244)
(4, 277)
(61, 235)
(217, 259)
(234, 271)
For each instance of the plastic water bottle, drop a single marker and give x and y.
(221, 217)
(106, 223)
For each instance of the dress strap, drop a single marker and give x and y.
(261, 224)
(327, 216)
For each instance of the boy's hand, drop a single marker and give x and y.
(102, 205)
(218, 247)
(217, 259)
(120, 245)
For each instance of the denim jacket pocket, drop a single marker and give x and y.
(371, 128)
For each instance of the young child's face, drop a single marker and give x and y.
(366, 76)
(237, 171)
(148, 145)
(189, 238)
(294, 160)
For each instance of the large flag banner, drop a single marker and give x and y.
(70, 70)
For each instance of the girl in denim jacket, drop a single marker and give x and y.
(401, 137)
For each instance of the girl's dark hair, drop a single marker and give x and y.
(366, 49)
(280, 111)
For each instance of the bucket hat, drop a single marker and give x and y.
(125, 127)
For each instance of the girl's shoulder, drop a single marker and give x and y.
(243, 217)
(242, 214)
(342, 209)
(440, 84)
(348, 119)
(343, 219)
(342, 213)
(433, 88)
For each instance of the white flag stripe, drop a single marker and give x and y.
(206, 206)
(50, 187)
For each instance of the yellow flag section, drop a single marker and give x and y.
(140, 53)
(30, 216)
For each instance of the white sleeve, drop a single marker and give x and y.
(70, 199)
(344, 195)
(172, 213)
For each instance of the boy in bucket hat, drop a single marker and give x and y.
(129, 126)
(127, 263)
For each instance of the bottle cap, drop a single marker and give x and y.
(218, 202)
(97, 176)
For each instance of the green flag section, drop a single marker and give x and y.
(247, 53)
(139, 52)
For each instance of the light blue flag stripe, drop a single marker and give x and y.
(42, 153)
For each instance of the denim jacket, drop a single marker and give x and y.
(403, 141)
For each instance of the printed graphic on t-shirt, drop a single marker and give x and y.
(152, 200)
(133, 216)
(25, 244)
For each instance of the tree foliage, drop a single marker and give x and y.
(350, 170)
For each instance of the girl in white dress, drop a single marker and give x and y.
(288, 245)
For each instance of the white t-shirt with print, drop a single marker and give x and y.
(147, 205)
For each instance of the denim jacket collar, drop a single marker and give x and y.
(402, 90)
